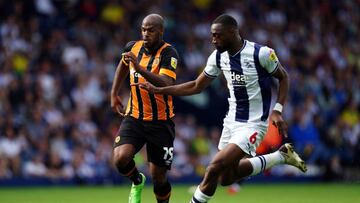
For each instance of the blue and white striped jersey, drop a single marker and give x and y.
(248, 76)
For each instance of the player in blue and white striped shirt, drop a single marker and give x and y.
(248, 68)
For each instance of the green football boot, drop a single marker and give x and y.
(135, 192)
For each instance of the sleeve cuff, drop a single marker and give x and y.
(277, 67)
(208, 75)
(168, 72)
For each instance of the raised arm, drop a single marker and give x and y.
(156, 79)
(183, 89)
(167, 67)
(121, 73)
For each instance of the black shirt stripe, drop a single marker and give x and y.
(138, 94)
(167, 106)
(152, 96)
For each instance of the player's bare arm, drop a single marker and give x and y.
(275, 116)
(184, 89)
(156, 79)
(121, 73)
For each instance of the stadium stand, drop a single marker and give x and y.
(58, 58)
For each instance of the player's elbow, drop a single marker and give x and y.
(197, 88)
(167, 82)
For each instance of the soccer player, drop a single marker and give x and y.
(147, 119)
(248, 68)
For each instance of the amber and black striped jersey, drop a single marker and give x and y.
(143, 105)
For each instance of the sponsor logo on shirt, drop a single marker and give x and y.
(238, 79)
(136, 74)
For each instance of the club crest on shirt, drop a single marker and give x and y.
(173, 62)
(156, 61)
(247, 63)
(117, 139)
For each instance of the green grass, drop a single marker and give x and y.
(250, 193)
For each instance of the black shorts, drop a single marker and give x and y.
(157, 135)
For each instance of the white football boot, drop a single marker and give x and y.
(291, 157)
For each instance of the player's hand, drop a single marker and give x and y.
(280, 124)
(116, 105)
(130, 57)
(146, 85)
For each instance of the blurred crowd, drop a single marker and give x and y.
(58, 58)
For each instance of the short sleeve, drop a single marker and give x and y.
(129, 46)
(168, 62)
(212, 68)
(268, 59)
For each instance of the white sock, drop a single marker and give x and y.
(261, 163)
(199, 196)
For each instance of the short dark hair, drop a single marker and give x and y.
(226, 20)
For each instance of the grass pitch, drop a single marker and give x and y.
(249, 193)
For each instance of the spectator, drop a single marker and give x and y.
(57, 61)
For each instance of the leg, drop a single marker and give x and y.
(123, 160)
(222, 160)
(125, 147)
(236, 185)
(160, 147)
(231, 174)
(162, 187)
(256, 165)
(248, 140)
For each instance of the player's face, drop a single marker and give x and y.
(151, 34)
(220, 37)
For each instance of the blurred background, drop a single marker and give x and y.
(58, 58)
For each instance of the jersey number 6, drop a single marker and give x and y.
(252, 138)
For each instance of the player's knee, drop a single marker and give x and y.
(221, 170)
(120, 158)
(215, 168)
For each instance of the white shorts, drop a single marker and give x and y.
(245, 135)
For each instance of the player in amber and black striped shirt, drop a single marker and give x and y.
(147, 116)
